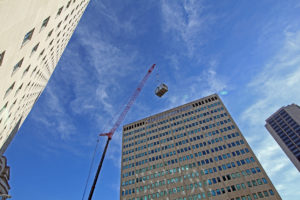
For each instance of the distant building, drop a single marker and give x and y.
(33, 36)
(284, 126)
(194, 151)
(4, 177)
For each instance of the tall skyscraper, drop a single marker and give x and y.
(194, 151)
(284, 126)
(33, 36)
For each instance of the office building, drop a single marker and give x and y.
(284, 126)
(33, 36)
(194, 151)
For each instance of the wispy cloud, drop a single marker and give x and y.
(278, 82)
(214, 82)
(270, 154)
(53, 115)
(185, 21)
(112, 20)
(203, 83)
(185, 24)
(275, 86)
(89, 74)
(109, 64)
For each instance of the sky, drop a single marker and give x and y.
(248, 52)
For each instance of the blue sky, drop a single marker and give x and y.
(248, 51)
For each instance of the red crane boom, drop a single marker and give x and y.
(129, 104)
(117, 124)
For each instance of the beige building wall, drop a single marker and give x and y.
(33, 36)
(194, 151)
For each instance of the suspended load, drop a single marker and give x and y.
(161, 90)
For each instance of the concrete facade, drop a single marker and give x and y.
(284, 126)
(33, 36)
(194, 151)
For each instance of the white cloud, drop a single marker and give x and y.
(275, 86)
(185, 21)
(53, 115)
(207, 82)
(271, 156)
(215, 83)
(278, 83)
(109, 13)
(107, 65)
(185, 24)
(88, 77)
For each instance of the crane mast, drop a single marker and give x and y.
(117, 124)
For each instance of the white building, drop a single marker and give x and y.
(33, 36)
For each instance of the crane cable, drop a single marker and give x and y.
(157, 78)
(90, 170)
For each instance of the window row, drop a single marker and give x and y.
(180, 135)
(182, 142)
(204, 152)
(178, 123)
(222, 122)
(165, 121)
(204, 128)
(194, 188)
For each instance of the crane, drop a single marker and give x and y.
(117, 124)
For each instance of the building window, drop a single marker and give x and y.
(25, 71)
(9, 90)
(59, 11)
(19, 89)
(35, 48)
(27, 37)
(58, 25)
(3, 108)
(42, 52)
(13, 104)
(1, 57)
(50, 33)
(66, 17)
(33, 72)
(68, 4)
(51, 42)
(17, 66)
(45, 22)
